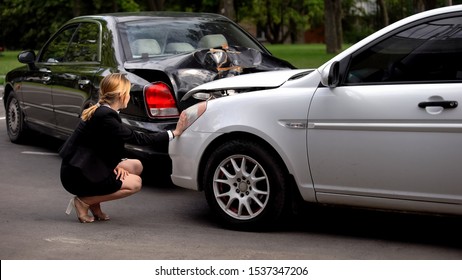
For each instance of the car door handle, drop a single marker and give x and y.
(444, 104)
(46, 79)
(83, 83)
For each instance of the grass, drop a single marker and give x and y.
(8, 61)
(301, 56)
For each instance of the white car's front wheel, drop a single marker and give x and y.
(245, 185)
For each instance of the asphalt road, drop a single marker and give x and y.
(169, 223)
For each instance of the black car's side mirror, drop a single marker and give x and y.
(27, 57)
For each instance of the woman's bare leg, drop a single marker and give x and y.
(133, 166)
(131, 184)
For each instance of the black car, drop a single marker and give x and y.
(163, 54)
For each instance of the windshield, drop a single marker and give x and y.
(165, 38)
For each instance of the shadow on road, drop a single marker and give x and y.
(42, 141)
(384, 225)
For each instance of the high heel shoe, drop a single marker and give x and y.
(99, 215)
(73, 204)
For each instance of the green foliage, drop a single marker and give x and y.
(315, 13)
(26, 24)
(19, 20)
(129, 6)
(280, 19)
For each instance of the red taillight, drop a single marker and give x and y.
(159, 101)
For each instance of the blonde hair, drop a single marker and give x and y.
(112, 87)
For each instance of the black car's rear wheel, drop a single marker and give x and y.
(15, 124)
(245, 185)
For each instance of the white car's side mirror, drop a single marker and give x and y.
(330, 74)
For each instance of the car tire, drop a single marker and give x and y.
(16, 127)
(245, 185)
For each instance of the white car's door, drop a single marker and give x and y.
(392, 129)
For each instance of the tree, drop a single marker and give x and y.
(279, 19)
(383, 12)
(333, 25)
(226, 8)
(156, 5)
(20, 19)
(28, 24)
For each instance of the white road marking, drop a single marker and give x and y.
(66, 240)
(38, 153)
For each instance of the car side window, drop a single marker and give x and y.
(84, 44)
(76, 43)
(56, 49)
(427, 52)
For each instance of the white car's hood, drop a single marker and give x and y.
(270, 79)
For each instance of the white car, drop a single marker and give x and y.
(378, 126)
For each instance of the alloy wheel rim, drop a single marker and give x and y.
(241, 187)
(13, 116)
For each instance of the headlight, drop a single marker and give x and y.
(214, 94)
(194, 112)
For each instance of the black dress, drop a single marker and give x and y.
(95, 148)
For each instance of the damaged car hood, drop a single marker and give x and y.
(189, 70)
(270, 79)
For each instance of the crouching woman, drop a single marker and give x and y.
(92, 168)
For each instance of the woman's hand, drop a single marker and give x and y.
(181, 124)
(121, 173)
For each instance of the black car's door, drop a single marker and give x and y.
(73, 78)
(36, 86)
(70, 60)
(72, 88)
(35, 90)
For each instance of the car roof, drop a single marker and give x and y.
(135, 16)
